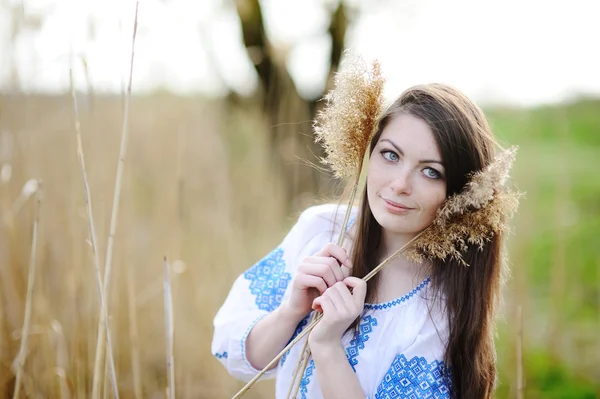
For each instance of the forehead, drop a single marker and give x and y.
(413, 135)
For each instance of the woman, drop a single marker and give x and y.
(416, 330)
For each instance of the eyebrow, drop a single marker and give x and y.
(402, 153)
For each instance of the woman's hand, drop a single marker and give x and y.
(340, 308)
(314, 276)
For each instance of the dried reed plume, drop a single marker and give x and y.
(471, 217)
(347, 123)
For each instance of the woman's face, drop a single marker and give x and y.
(406, 178)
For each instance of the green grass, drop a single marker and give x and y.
(558, 226)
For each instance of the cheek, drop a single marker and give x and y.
(436, 199)
(373, 179)
(371, 191)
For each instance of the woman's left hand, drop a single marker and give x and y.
(340, 308)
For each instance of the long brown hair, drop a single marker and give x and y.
(471, 294)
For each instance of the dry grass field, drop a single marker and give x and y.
(200, 189)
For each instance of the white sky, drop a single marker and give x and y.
(511, 51)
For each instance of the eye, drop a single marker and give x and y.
(432, 173)
(390, 155)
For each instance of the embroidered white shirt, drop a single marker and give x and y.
(398, 352)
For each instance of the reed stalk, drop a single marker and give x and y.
(28, 304)
(169, 332)
(92, 231)
(100, 343)
(133, 335)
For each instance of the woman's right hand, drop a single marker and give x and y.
(314, 275)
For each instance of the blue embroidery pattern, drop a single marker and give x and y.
(221, 355)
(269, 280)
(415, 379)
(306, 378)
(299, 329)
(243, 340)
(397, 301)
(358, 342)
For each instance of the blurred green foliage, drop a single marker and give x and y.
(554, 251)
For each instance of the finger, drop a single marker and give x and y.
(354, 306)
(337, 252)
(327, 306)
(307, 281)
(341, 256)
(346, 271)
(336, 298)
(344, 292)
(359, 289)
(316, 267)
(316, 305)
(335, 267)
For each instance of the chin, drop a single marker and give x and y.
(396, 224)
(400, 224)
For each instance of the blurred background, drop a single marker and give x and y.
(218, 167)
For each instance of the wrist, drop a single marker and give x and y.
(326, 350)
(289, 314)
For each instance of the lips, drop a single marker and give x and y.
(395, 207)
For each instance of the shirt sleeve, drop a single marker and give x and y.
(256, 293)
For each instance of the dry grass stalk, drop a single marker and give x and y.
(133, 335)
(105, 389)
(300, 364)
(169, 332)
(470, 217)
(1, 324)
(100, 344)
(345, 128)
(62, 381)
(275, 360)
(11, 315)
(30, 281)
(62, 357)
(92, 231)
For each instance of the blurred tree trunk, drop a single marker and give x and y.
(289, 115)
(20, 22)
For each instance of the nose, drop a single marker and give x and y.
(402, 184)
